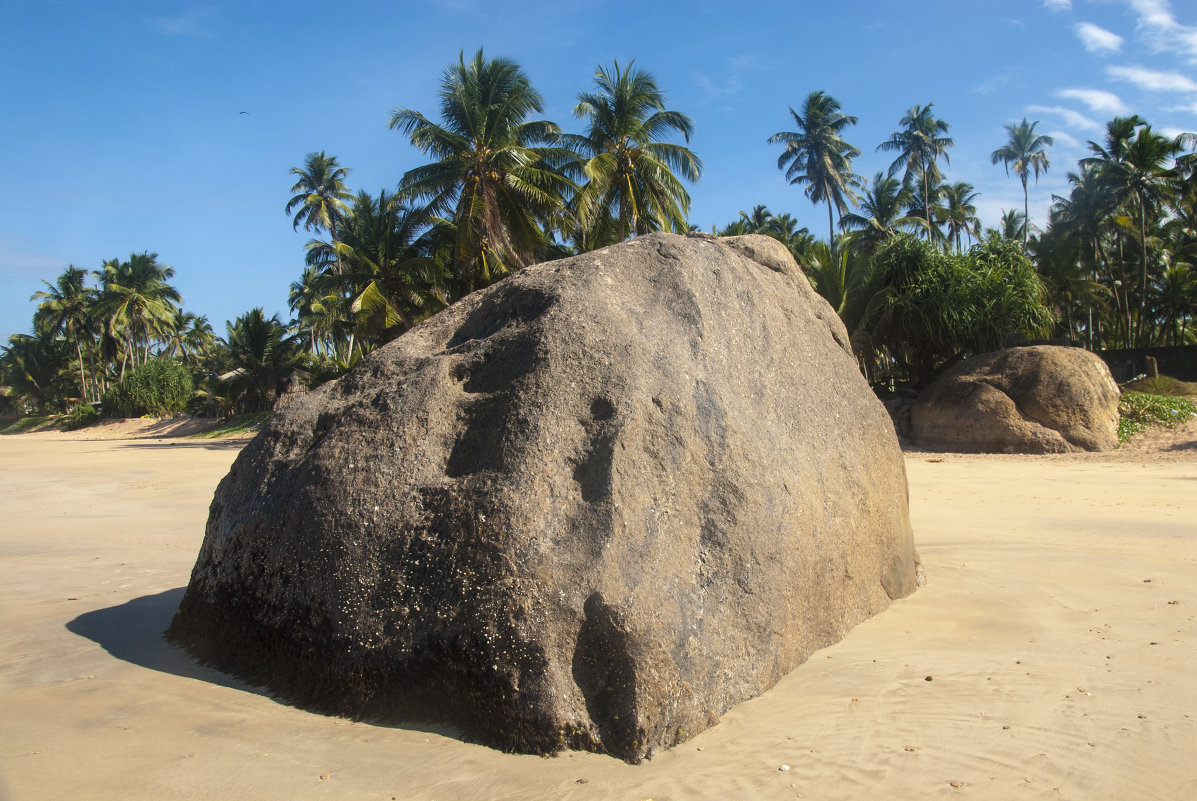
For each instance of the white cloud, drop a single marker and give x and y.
(717, 89)
(1096, 99)
(1154, 13)
(729, 82)
(1073, 118)
(1098, 40)
(990, 84)
(1057, 5)
(1153, 80)
(745, 62)
(1189, 107)
(1172, 133)
(194, 23)
(1164, 34)
(1065, 140)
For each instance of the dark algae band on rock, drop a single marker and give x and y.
(594, 506)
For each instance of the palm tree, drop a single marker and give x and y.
(1146, 179)
(190, 337)
(630, 173)
(138, 302)
(324, 312)
(1176, 301)
(263, 355)
(961, 213)
(304, 298)
(389, 271)
(1070, 283)
(850, 282)
(489, 175)
(320, 194)
(1136, 168)
(393, 284)
(785, 229)
(1109, 156)
(738, 227)
(34, 366)
(817, 155)
(920, 144)
(1081, 216)
(1013, 225)
(1026, 152)
(758, 220)
(1119, 132)
(882, 214)
(66, 310)
(930, 212)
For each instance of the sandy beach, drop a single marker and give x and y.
(1050, 655)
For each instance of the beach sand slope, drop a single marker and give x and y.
(1049, 656)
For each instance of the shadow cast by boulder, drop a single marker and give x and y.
(134, 632)
(209, 445)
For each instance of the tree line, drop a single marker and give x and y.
(103, 336)
(905, 261)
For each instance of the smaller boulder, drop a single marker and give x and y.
(1038, 399)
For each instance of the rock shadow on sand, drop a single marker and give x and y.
(212, 445)
(134, 632)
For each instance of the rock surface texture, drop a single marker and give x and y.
(593, 506)
(1039, 399)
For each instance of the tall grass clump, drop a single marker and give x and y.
(160, 387)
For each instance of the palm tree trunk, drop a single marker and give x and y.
(927, 204)
(830, 230)
(82, 380)
(1026, 212)
(1143, 274)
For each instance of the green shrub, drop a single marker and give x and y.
(81, 416)
(1139, 411)
(159, 387)
(941, 307)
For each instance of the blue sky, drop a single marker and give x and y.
(123, 130)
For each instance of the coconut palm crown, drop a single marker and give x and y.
(1025, 152)
(920, 144)
(320, 194)
(493, 172)
(630, 173)
(817, 155)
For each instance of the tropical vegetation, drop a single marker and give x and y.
(905, 260)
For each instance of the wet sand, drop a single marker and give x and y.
(1051, 654)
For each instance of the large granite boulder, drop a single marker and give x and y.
(1038, 399)
(594, 506)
